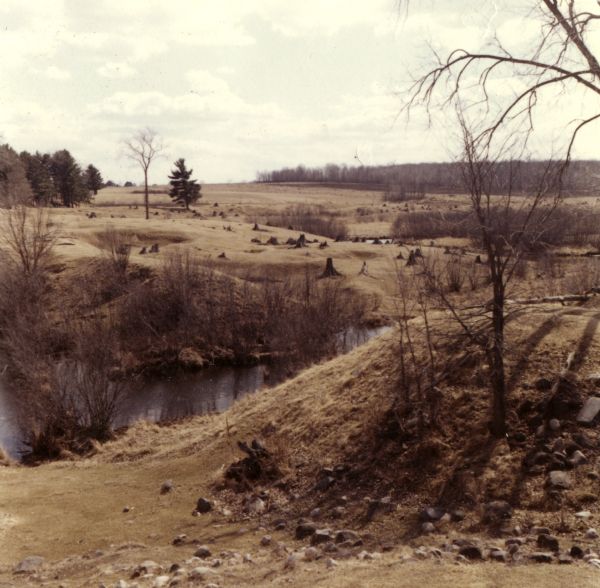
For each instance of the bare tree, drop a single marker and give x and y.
(562, 59)
(29, 237)
(143, 148)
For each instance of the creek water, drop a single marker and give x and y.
(212, 389)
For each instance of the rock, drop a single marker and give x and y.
(166, 487)
(589, 411)
(563, 558)
(347, 535)
(578, 458)
(583, 514)
(266, 541)
(471, 552)
(29, 564)
(304, 530)
(541, 557)
(543, 384)
(554, 424)
(146, 567)
(121, 584)
(203, 506)
(558, 445)
(315, 513)
(321, 536)
(496, 510)
(591, 534)
(338, 512)
(255, 506)
(498, 555)
(428, 528)
(433, 513)
(595, 563)
(540, 531)
(457, 515)
(559, 479)
(576, 552)
(127, 508)
(311, 553)
(180, 539)
(331, 563)
(202, 552)
(548, 542)
(324, 483)
(200, 573)
(365, 555)
(291, 562)
(583, 440)
(247, 558)
(161, 581)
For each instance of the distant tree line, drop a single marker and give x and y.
(45, 179)
(412, 180)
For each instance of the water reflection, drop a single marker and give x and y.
(209, 390)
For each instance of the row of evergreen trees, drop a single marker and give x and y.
(45, 179)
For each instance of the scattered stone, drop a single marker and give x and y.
(498, 555)
(338, 512)
(541, 557)
(324, 483)
(311, 553)
(315, 513)
(428, 528)
(576, 552)
(321, 536)
(365, 555)
(166, 487)
(548, 542)
(255, 506)
(291, 562)
(554, 425)
(266, 541)
(203, 506)
(540, 531)
(457, 515)
(589, 411)
(543, 384)
(583, 440)
(347, 535)
(471, 552)
(496, 510)
(578, 458)
(127, 508)
(202, 552)
(161, 581)
(121, 584)
(304, 530)
(331, 563)
(29, 564)
(174, 568)
(200, 573)
(247, 558)
(591, 534)
(180, 539)
(563, 558)
(559, 479)
(146, 567)
(433, 513)
(583, 514)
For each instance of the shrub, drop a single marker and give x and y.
(309, 219)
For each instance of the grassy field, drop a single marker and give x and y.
(72, 512)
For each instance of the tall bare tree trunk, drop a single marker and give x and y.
(146, 199)
(496, 362)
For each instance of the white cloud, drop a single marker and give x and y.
(116, 70)
(56, 73)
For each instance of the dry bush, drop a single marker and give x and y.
(29, 238)
(117, 246)
(434, 224)
(455, 274)
(584, 275)
(74, 399)
(316, 220)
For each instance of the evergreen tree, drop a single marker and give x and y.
(37, 169)
(184, 190)
(14, 186)
(68, 179)
(93, 179)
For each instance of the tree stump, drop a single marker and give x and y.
(323, 245)
(330, 271)
(400, 256)
(255, 227)
(364, 271)
(301, 241)
(412, 258)
(478, 259)
(418, 252)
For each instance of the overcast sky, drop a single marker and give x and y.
(234, 86)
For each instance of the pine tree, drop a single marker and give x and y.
(68, 179)
(184, 190)
(93, 179)
(37, 168)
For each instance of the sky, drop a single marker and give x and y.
(239, 86)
